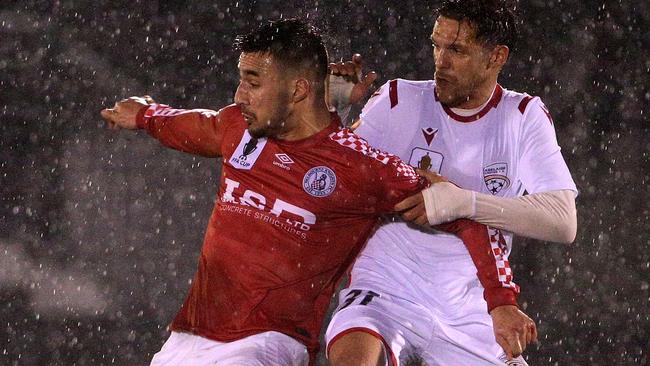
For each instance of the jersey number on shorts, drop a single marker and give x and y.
(355, 294)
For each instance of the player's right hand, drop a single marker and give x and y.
(351, 71)
(123, 114)
(513, 329)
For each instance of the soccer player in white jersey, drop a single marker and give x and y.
(413, 293)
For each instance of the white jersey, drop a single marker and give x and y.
(507, 148)
(415, 290)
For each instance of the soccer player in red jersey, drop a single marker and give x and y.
(298, 198)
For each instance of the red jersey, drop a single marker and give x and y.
(289, 220)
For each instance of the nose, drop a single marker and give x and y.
(441, 59)
(241, 95)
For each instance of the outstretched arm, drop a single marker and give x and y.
(197, 131)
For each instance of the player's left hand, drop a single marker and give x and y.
(412, 207)
(513, 329)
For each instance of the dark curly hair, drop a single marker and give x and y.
(292, 42)
(494, 21)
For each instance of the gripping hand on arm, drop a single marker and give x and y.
(347, 85)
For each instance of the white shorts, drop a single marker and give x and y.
(263, 349)
(418, 322)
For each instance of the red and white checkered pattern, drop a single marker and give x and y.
(348, 139)
(500, 251)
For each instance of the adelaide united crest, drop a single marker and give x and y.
(496, 177)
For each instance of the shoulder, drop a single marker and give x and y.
(396, 90)
(523, 103)
(528, 107)
(231, 118)
(355, 150)
(415, 85)
(230, 113)
(356, 146)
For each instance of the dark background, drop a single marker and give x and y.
(100, 230)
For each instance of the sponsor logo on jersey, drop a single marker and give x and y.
(426, 159)
(282, 161)
(237, 200)
(319, 181)
(496, 178)
(429, 134)
(247, 152)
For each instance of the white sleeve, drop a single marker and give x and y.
(541, 165)
(549, 216)
(375, 125)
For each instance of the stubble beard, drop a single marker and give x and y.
(454, 97)
(275, 124)
(272, 127)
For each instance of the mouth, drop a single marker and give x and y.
(442, 79)
(248, 117)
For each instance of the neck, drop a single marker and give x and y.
(307, 121)
(480, 95)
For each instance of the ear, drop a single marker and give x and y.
(302, 89)
(499, 57)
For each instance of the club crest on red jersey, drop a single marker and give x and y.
(496, 178)
(319, 181)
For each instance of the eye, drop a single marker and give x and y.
(249, 83)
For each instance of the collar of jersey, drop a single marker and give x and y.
(334, 125)
(492, 103)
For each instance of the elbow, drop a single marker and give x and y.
(568, 221)
(567, 230)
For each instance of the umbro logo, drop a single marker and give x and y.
(282, 160)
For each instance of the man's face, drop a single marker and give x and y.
(461, 62)
(262, 94)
